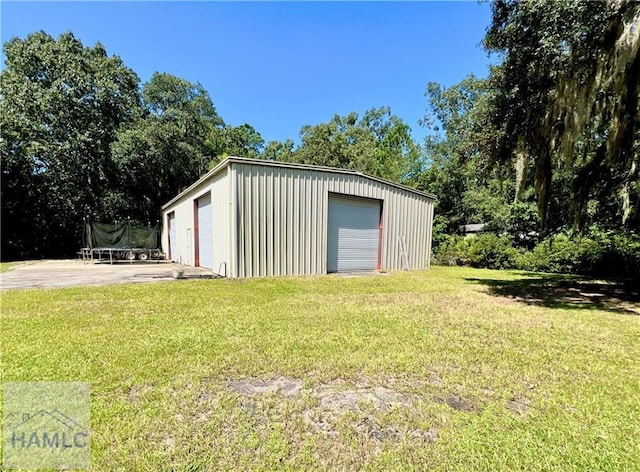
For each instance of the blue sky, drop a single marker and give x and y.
(281, 65)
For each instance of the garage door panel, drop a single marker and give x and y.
(353, 233)
(205, 232)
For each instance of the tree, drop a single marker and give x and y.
(566, 99)
(61, 106)
(189, 108)
(455, 171)
(279, 151)
(170, 97)
(242, 141)
(79, 138)
(167, 149)
(377, 143)
(397, 155)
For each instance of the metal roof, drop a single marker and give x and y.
(261, 162)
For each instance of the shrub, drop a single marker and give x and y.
(611, 253)
(619, 253)
(491, 251)
(452, 250)
(599, 253)
(563, 254)
(485, 250)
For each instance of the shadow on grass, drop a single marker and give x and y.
(568, 292)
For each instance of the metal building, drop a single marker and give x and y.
(255, 218)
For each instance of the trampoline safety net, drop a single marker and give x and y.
(120, 236)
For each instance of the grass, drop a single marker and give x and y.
(439, 370)
(7, 266)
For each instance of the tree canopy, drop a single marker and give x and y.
(547, 142)
(166, 149)
(378, 143)
(61, 107)
(565, 97)
(79, 136)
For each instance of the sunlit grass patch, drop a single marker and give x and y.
(408, 371)
(7, 266)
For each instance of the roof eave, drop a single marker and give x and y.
(250, 161)
(337, 170)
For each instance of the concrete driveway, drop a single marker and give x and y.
(73, 273)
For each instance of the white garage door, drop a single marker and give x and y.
(173, 252)
(205, 232)
(354, 233)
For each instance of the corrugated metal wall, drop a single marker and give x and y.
(219, 186)
(281, 219)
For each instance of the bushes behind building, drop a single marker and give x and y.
(596, 253)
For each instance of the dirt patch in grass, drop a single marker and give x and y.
(340, 396)
(325, 407)
(336, 396)
(460, 404)
(381, 398)
(253, 386)
(372, 430)
(135, 393)
(519, 405)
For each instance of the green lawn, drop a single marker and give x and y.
(452, 369)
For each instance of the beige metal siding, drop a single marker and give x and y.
(218, 185)
(282, 219)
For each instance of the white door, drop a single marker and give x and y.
(173, 252)
(354, 233)
(205, 232)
